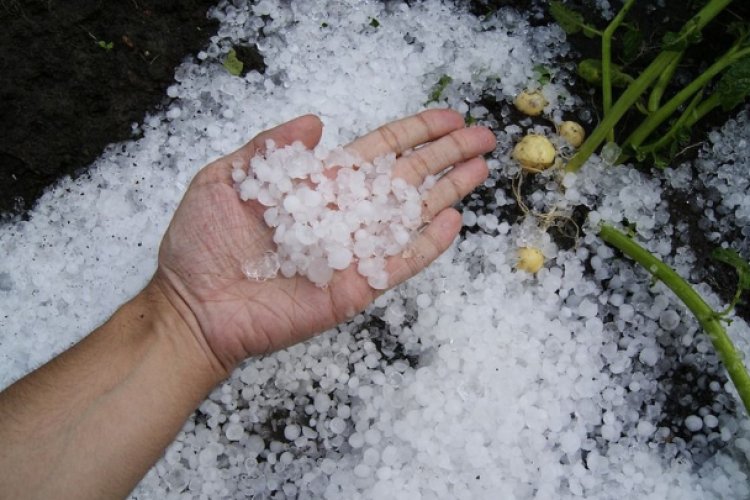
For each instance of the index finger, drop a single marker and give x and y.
(306, 128)
(401, 135)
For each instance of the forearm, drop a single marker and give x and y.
(91, 422)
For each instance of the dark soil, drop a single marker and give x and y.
(721, 277)
(687, 391)
(74, 77)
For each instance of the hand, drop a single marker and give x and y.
(213, 232)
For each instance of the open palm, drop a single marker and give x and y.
(213, 233)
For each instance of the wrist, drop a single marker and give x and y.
(173, 321)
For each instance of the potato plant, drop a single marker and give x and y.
(725, 83)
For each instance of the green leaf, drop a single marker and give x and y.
(739, 30)
(232, 64)
(677, 42)
(437, 90)
(591, 71)
(680, 139)
(105, 45)
(569, 20)
(660, 162)
(374, 23)
(731, 257)
(673, 41)
(619, 77)
(632, 44)
(734, 85)
(543, 75)
(590, 32)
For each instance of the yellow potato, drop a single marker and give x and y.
(573, 133)
(530, 102)
(535, 153)
(530, 259)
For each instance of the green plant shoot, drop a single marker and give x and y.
(710, 320)
(607, 60)
(232, 64)
(571, 21)
(673, 48)
(437, 90)
(729, 256)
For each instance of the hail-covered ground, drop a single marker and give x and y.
(472, 380)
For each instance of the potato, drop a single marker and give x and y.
(572, 132)
(535, 153)
(530, 259)
(530, 102)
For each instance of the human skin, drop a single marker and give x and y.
(91, 422)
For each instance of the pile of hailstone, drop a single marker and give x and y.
(469, 381)
(329, 209)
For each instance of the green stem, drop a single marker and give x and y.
(690, 117)
(686, 120)
(713, 102)
(659, 116)
(620, 107)
(639, 85)
(607, 60)
(706, 316)
(733, 303)
(641, 108)
(661, 84)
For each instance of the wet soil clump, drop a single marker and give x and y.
(75, 76)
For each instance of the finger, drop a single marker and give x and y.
(306, 128)
(453, 186)
(428, 245)
(398, 136)
(458, 146)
